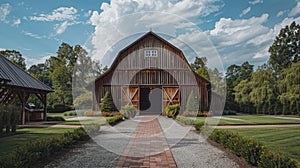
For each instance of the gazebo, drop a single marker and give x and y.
(15, 82)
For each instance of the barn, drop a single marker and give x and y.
(149, 70)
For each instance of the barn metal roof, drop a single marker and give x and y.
(17, 77)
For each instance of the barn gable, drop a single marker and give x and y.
(151, 63)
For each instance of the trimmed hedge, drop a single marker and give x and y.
(254, 152)
(59, 108)
(28, 154)
(185, 120)
(128, 111)
(115, 119)
(172, 110)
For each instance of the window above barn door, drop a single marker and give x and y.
(150, 53)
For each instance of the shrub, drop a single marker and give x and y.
(107, 103)
(106, 114)
(114, 120)
(55, 118)
(185, 120)
(271, 159)
(199, 125)
(128, 111)
(116, 113)
(190, 113)
(9, 118)
(59, 108)
(30, 153)
(172, 110)
(93, 113)
(14, 117)
(251, 150)
(229, 112)
(92, 129)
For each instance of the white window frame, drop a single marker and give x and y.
(150, 53)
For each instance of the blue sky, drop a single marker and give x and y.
(238, 30)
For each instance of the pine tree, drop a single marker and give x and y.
(107, 104)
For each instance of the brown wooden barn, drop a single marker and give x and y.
(151, 63)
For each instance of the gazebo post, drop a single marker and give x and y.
(22, 99)
(45, 107)
(43, 99)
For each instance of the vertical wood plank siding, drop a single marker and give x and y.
(169, 68)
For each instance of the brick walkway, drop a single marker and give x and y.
(148, 147)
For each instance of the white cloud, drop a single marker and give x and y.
(33, 35)
(295, 11)
(2, 49)
(280, 13)
(34, 61)
(17, 22)
(59, 14)
(88, 13)
(4, 11)
(160, 15)
(62, 27)
(245, 39)
(245, 11)
(255, 2)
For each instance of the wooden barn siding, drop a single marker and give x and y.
(133, 60)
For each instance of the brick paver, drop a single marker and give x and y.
(148, 147)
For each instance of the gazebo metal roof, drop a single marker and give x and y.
(17, 77)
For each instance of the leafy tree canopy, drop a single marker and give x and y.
(15, 57)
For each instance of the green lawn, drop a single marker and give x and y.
(282, 139)
(25, 135)
(250, 120)
(60, 115)
(98, 120)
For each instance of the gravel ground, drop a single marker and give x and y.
(189, 149)
(87, 155)
(195, 151)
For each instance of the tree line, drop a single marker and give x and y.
(60, 72)
(274, 87)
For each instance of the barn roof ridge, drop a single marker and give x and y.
(17, 77)
(139, 39)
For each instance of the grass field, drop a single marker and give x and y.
(60, 115)
(249, 120)
(26, 135)
(279, 139)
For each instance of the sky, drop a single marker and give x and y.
(234, 30)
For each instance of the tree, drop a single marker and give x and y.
(41, 72)
(107, 104)
(15, 57)
(289, 88)
(285, 48)
(241, 95)
(234, 75)
(199, 66)
(263, 90)
(217, 80)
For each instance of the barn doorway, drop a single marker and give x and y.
(150, 100)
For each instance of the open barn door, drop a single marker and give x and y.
(171, 95)
(130, 96)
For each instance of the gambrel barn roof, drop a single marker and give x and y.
(14, 76)
(150, 33)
